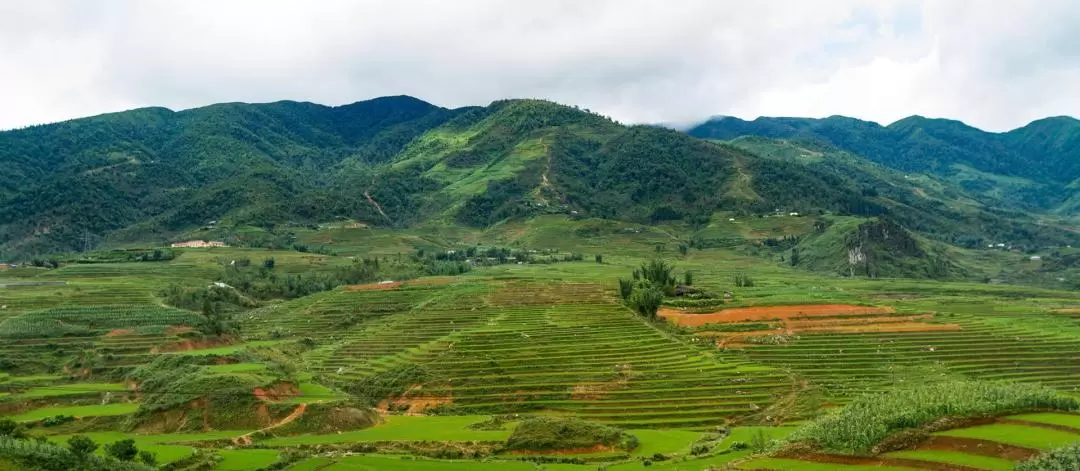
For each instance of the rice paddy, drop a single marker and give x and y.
(703, 386)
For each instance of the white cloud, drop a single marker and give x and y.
(994, 65)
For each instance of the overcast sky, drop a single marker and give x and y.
(994, 64)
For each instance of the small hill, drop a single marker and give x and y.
(927, 204)
(874, 248)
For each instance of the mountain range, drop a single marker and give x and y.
(1033, 167)
(149, 174)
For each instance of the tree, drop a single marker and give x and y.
(123, 450)
(658, 274)
(82, 446)
(688, 278)
(683, 248)
(269, 263)
(794, 256)
(646, 301)
(599, 258)
(217, 322)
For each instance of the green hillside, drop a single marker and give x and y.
(1029, 167)
(260, 172)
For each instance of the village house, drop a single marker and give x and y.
(196, 244)
(4, 266)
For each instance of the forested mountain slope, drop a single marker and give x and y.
(149, 174)
(1030, 167)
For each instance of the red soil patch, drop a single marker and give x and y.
(277, 392)
(978, 447)
(569, 451)
(179, 329)
(188, 345)
(766, 313)
(810, 318)
(891, 462)
(119, 332)
(374, 286)
(414, 405)
(430, 281)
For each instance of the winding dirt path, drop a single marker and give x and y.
(245, 439)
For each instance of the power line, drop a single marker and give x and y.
(182, 392)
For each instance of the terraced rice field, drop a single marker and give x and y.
(992, 446)
(561, 348)
(851, 353)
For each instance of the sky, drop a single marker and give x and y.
(995, 65)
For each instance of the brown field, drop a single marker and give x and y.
(789, 321)
(766, 313)
(374, 286)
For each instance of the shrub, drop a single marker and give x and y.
(866, 421)
(81, 445)
(626, 288)
(45, 456)
(11, 428)
(148, 458)
(1066, 457)
(57, 420)
(743, 280)
(123, 450)
(555, 433)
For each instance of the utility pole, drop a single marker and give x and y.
(86, 241)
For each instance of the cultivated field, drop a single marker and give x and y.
(436, 372)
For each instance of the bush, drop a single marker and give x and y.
(866, 421)
(626, 288)
(554, 433)
(57, 420)
(45, 456)
(123, 450)
(1066, 457)
(743, 280)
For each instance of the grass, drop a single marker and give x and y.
(957, 458)
(386, 463)
(796, 465)
(165, 445)
(403, 428)
(1017, 435)
(237, 368)
(311, 464)
(77, 411)
(1066, 420)
(243, 460)
(70, 389)
(664, 441)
